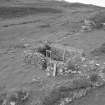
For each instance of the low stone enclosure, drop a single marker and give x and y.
(61, 60)
(53, 58)
(56, 59)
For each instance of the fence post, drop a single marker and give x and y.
(64, 55)
(55, 69)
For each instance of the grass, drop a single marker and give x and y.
(2, 98)
(13, 12)
(94, 77)
(99, 51)
(72, 66)
(65, 90)
(22, 97)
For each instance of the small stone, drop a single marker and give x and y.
(12, 103)
(97, 64)
(48, 74)
(83, 59)
(60, 70)
(26, 45)
(68, 100)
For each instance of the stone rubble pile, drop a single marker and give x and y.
(57, 59)
(91, 24)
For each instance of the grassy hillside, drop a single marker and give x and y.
(25, 24)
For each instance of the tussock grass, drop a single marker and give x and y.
(20, 97)
(2, 97)
(99, 51)
(65, 90)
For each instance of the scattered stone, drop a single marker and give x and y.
(73, 60)
(19, 97)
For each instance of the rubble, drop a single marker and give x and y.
(56, 59)
(88, 25)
